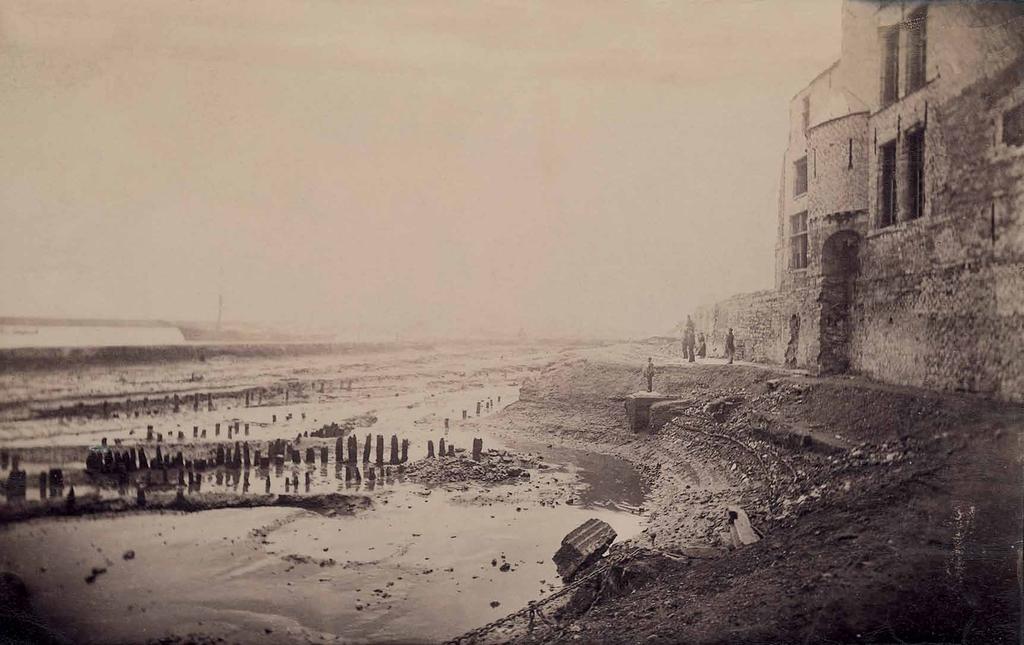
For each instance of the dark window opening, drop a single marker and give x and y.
(917, 41)
(890, 65)
(1013, 126)
(800, 178)
(806, 113)
(798, 241)
(887, 184)
(914, 142)
(849, 155)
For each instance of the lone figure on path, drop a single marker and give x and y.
(702, 346)
(649, 374)
(730, 345)
(688, 340)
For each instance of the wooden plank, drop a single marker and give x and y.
(740, 530)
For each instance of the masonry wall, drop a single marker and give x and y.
(940, 299)
(761, 324)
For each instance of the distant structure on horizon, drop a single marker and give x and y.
(900, 240)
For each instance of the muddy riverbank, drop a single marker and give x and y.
(888, 514)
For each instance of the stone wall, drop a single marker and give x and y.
(754, 320)
(940, 300)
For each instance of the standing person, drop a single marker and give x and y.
(688, 340)
(649, 374)
(730, 345)
(702, 346)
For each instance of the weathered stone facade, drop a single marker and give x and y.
(900, 250)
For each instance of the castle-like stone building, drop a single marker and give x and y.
(900, 240)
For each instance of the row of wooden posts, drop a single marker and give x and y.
(252, 396)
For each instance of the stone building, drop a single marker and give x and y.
(900, 240)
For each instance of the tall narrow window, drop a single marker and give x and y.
(798, 241)
(917, 46)
(914, 143)
(890, 65)
(800, 177)
(806, 113)
(849, 154)
(887, 184)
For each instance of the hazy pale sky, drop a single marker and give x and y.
(570, 166)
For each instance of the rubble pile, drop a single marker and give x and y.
(788, 471)
(494, 467)
(334, 430)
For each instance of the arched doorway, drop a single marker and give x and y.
(840, 266)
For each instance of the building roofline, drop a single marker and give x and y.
(820, 74)
(838, 118)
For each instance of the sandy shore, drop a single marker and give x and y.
(403, 558)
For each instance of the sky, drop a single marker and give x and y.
(422, 168)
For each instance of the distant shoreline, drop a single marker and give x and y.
(31, 358)
(42, 358)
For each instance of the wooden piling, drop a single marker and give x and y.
(366, 449)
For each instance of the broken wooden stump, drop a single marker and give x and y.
(582, 547)
(441, 450)
(366, 449)
(353, 449)
(478, 446)
(430, 448)
(394, 450)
